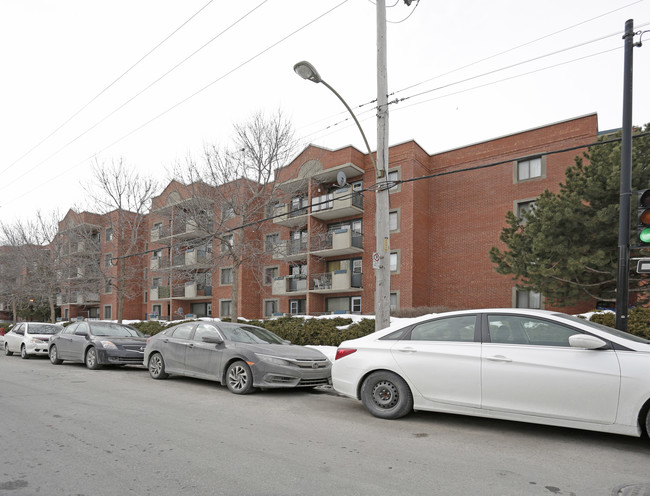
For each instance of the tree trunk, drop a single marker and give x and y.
(234, 314)
(50, 300)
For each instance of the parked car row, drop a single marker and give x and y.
(240, 356)
(513, 364)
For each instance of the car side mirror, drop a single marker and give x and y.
(212, 339)
(586, 341)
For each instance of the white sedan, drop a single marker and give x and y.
(513, 364)
(30, 338)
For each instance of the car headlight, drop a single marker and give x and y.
(108, 345)
(33, 341)
(272, 359)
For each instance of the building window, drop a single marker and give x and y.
(393, 176)
(394, 302)
(225, 308)
(270, 273)
(522, 208)
(108, 260)
(297, 307)
(394, 262)
(271, 307)
(108, 312)
(226, 276)
(157, 310)
(528, 299)
(227, 242)
(108, 287)
(529, 169)
(228, 212)
(157, 281)
(393, 220)
(338, 305)
(109, 234)
(271, 241)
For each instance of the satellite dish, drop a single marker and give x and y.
(341, 179)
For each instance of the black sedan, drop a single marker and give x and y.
(238, 355)
(97, 343)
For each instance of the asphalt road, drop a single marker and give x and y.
(66, 430)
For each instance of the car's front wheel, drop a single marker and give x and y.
(7, 352)
(647, 423)
(386, 395)
(157, 367)
(239, 378)
(91, 359)
(23, 353)
(54, 357)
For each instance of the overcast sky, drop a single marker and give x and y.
(465, 71)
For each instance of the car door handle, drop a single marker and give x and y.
(407, 349)
(499, 358)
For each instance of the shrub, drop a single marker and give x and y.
(638, 322)
(150, 327)
(317, 332)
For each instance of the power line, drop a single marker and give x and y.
(374, 108)
(401, 181)
(105, 89)
(181, 102)
(396, 101)
(476, 62)
(136, 95)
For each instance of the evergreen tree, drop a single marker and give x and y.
(566, 247)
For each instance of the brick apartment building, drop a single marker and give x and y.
(314, 242)
(96, 280)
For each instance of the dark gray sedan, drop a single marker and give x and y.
(97, 343)
(238, 355)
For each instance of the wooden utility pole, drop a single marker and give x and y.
(382, 231)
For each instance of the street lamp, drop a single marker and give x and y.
(307, 71)
(382, 230)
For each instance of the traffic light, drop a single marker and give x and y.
(643, 217)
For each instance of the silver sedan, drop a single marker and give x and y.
(240, 356)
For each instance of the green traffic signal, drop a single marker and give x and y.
(644, 235)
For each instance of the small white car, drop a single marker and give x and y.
(512, 364)
(30, 338)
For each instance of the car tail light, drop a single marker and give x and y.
(343, 352)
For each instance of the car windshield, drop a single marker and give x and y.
(114, 330)
(44, 329)
(614, 332)
(250, 334)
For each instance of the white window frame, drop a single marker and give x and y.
(532, 165)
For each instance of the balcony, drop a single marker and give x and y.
(86, 298)
(190, 258)
(159, 293)
(341, 203)
(335, 282)
(335, 243)
(289, 285)
(194, 290)
(284, 215)
(198, 257)
(188, 229)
